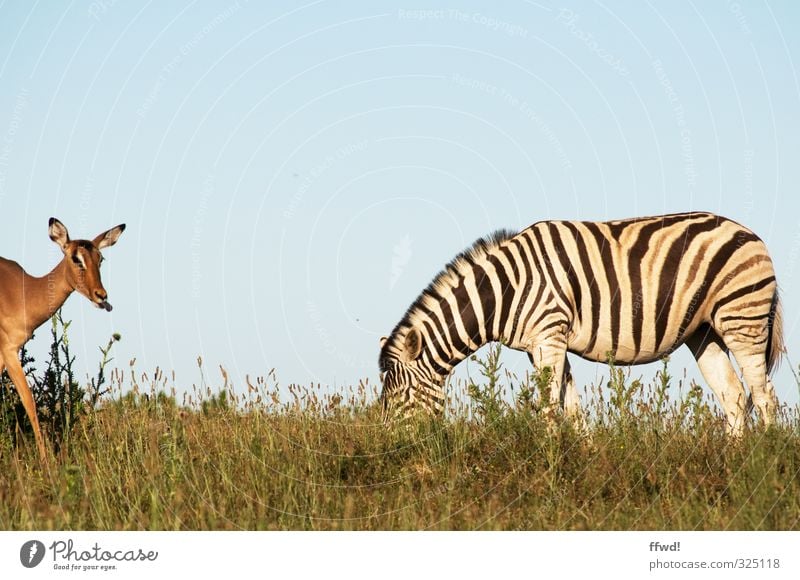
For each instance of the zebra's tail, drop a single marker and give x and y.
(775, 344)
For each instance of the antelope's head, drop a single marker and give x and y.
(82, 259)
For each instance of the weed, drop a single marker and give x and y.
(60, 399)
(487, 399)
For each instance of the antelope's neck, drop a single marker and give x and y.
(44, 296)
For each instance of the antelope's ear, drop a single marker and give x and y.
(413, 344)
(58, 233)
(383, 340)
(109, 238)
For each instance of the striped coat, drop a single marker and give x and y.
(633, 289)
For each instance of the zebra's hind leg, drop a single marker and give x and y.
(712, 357)
(745, 330)
(752, 360)
(746, 333)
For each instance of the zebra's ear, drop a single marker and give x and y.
(413, 344)
(383, 340)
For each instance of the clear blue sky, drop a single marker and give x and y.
(293, 175)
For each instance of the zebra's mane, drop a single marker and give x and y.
(447, 278)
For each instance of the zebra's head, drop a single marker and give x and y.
(409, 382)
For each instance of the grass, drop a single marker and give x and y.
(138, 459)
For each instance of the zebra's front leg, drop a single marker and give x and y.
(563, 396)
(551, 359)
(571, 401)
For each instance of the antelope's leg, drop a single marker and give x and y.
(23, 390)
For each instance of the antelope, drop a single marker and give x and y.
(27, 301)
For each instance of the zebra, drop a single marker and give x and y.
(633, 290)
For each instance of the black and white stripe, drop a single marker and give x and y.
(634, 290)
